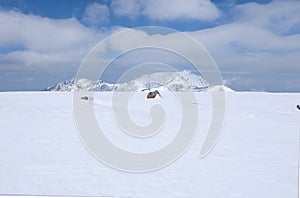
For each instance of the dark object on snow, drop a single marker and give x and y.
(298, 106)
(145, 89)
(84, 98)
(152, 94)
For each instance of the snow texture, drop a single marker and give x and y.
(256, 156)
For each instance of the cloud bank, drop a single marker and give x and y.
(203, 10)
(260, 42)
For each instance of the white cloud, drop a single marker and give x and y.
(257, 44)
(203, 10)
(128, 8)
(49, 44)
(42, 34)
(242, 47)
(96, 14)
(277, 16)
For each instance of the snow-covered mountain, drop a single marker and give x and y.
(81, 84)
(174, 81)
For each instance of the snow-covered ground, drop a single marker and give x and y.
(256, 156)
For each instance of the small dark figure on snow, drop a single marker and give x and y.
(298, 106)
(152, 94)
(87, 98)
(84, 98)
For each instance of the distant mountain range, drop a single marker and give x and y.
(173, 81)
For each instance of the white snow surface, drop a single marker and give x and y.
(220, 88)
(174, 81)
(256, 155)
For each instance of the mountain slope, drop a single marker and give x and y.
(80, 84)
(174, 81)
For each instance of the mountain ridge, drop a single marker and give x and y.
(173, 81)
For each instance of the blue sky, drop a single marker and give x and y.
(75, 8)
(256, 44)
